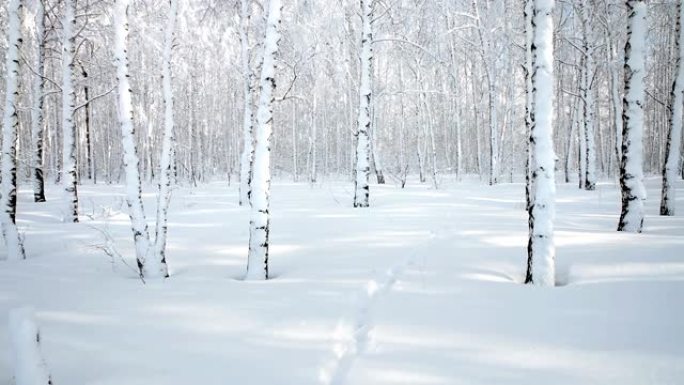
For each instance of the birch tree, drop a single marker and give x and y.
(631, 172)
(674, 136)
(488, 59)
(362, 170)
(541, 249)
(69, 177)
(38, 99)
(248, 116)
(257, 260)
(166, 166)
(587, 95)
(10, 126)
(527, 15)
(149, 266)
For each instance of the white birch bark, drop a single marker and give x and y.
(631, 168)
(488, 60)
(582, 139)
(27, 359)
(166, 175)
(38, 98)
(527, 13)
(248, 117)
(541, 249)
(674, 137)
(257, 260)
(616, 101)
(148, 267)
(433, 145)
(362, 169)
(69, 180)
(587, 93)
(10, 126)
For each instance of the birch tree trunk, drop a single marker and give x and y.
(616, 102)
(257, 260)
(375, 152)
(631, 168)
(582, 137)
(361, 187)
(69, 178)
(147, 267)
(37, 117)
(248, 117)
(541, 249)
(168, 142)
(486, 51)
(89, 149)
(587, 94)
(674, 136)
(10, 126)
(527, 13)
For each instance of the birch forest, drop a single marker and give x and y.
(447, 80)
(341, 192)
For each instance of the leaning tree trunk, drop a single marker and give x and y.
(37, 117)
(674, 136)
(148, 267)
(257, 263)
(541, 249)
(362, 170)
(10, 126)
(166, 176)
(68, 108)
(247, 125)
(631, 168)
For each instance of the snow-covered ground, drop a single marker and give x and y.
(421, 288)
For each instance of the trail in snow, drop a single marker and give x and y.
(354, 336)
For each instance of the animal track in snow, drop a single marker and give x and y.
(353, 338)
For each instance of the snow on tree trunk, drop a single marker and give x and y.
(631, 169)
(29, 366)
(10, 126)
(37, 119)
(149, 267)
(541, 249)
(166, 177)
(674, 136)
(362, 169)
(68, 108)
(587, 94)
(247, 120)
(257, 263)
